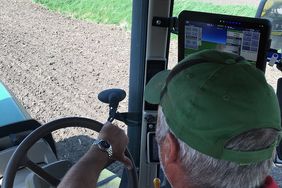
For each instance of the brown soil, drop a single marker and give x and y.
(56, 66)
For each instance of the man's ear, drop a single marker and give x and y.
(172, 148)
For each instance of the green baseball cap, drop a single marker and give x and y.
(211, 97)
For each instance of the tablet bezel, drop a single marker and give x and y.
(263, 25)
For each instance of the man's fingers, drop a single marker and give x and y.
(118, 139)
(127, 162)
(107, 123)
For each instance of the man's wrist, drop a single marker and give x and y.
(104, 146)
(97, 157)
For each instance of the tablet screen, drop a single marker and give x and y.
(244, 36)
(234, 39)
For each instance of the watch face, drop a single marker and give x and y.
(104, 144)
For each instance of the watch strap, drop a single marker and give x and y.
(101, 145)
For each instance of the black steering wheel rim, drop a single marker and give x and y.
(37, 134)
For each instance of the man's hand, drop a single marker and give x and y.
(118, 140)
(86, 171)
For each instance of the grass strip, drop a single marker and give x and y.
(239, 10)
(100, 11)
(119, 11)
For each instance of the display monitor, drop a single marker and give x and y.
(247, 37)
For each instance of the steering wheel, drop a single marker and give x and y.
(20, 158)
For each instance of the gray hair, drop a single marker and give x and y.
(207, 172)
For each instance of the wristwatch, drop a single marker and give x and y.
(103, 145)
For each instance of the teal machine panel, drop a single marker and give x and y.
(11, 111)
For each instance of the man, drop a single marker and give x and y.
(218, 125)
